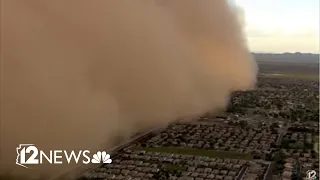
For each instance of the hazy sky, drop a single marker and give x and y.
(282, 25)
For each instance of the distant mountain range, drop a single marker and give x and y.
(287, 57)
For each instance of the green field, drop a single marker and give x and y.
(198, 152)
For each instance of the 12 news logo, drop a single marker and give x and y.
(28, 154)
(311, 175)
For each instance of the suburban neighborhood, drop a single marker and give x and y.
(267, 133)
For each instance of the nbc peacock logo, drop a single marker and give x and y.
(101, 157)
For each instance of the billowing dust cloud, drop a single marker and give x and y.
(78, 73)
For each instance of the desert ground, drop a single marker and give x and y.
(267, 133)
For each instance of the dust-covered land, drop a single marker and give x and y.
(288, 63)
(270, 132)
(267, 133)
(81, 74)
